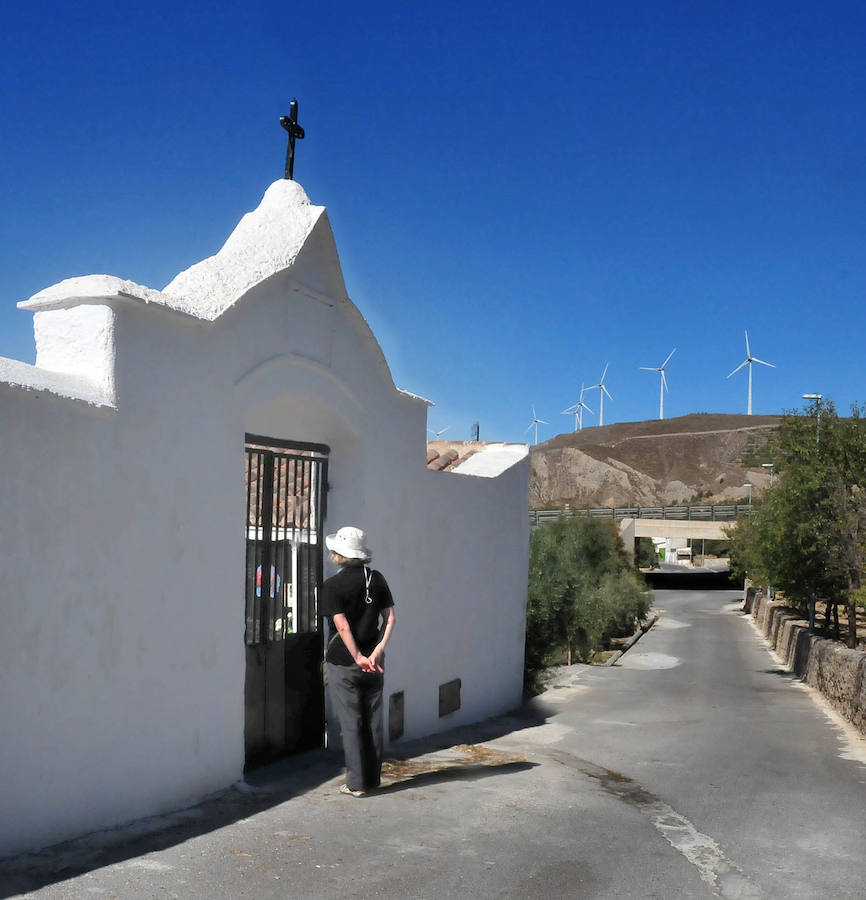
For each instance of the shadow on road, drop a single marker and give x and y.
(782, 673)
(405, 768)
(683, 579)
(471, 772)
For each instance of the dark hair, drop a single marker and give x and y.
(347, 561)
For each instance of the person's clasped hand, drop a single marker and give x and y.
(364, 663)
(369, 664)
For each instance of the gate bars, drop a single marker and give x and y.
(286, 495)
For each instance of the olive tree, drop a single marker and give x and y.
(582, 589)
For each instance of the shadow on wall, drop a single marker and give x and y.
(405, 768)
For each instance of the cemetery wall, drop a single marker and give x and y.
(122, 522)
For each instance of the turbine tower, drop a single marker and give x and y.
(602, 390)
(576, 410)
(664, 382)
(748, 362)
(535, 422)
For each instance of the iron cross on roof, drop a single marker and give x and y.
(290, 123)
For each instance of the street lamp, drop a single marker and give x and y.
(816, 399)
(772, 468)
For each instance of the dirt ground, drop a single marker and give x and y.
(693, 424)
(658, 462)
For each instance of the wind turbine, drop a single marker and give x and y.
(664, 382)
(439, 432)
(748, 362)
(577, 411)
(602, 390)
(536, 422)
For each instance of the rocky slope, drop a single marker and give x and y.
(654, 463)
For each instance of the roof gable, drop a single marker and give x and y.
(266, 241)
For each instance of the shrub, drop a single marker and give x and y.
(582, 590)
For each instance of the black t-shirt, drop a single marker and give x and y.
(346, 593)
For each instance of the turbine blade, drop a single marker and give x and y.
(755, 359)
(601, 380)
(649, 369)
(587, 408)
(669, 357)
(745, 362)
(607, 392)
(664, 380)
(542, 422)
(748, 351)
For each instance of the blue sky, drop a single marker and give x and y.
(520, 193)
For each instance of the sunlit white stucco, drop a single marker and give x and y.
(122, 511)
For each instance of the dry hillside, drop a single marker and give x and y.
(659, 462)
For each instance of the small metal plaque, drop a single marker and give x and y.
(395, 716)
(449, 697)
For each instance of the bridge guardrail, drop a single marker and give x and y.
(720, 512)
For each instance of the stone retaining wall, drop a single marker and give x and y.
(837, 672)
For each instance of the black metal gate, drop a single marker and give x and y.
(284, 695)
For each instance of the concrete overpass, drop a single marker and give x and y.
(630, 529)
(704, 522)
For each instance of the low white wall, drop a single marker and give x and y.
(121, 523)
(460, 589)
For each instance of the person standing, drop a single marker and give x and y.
(358, 602)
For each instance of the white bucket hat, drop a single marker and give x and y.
(349, 542)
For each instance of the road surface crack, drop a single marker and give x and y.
(722, 875)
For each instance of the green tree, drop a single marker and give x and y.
(806, 537)
(582, 589)
(845, 483)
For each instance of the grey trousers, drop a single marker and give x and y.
(356, 698)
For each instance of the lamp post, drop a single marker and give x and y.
(772, 468)
(748, 484)
(816, 399)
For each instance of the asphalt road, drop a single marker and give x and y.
(693, 768)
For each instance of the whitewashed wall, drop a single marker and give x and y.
(121, 503)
